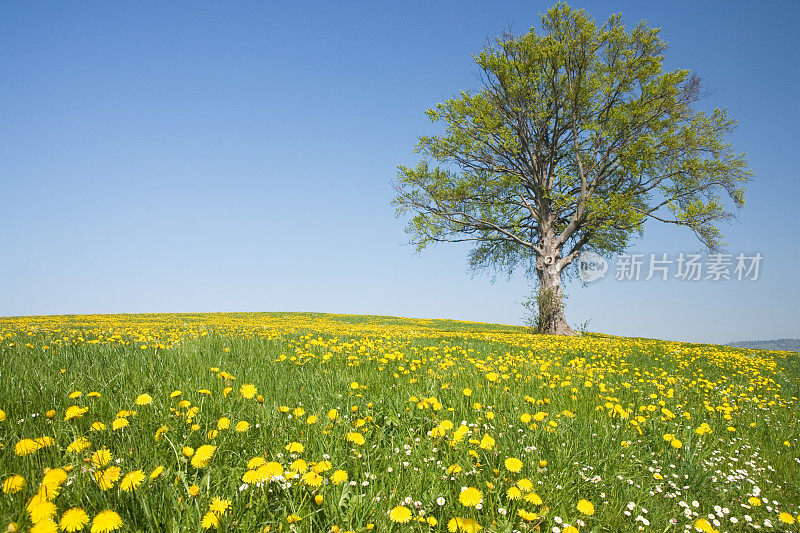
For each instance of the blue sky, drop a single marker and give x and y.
(177, 156)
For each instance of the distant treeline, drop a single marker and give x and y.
(791, 345)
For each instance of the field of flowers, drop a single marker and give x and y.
(334, 423)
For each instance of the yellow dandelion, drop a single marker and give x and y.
(26, 447)
(132, 480)
(400, 514)
(585, 507)
(339, 476)
(210, 520)
(470, 497)
(513, 464)
(248, 391)
(203, 455)
(106, 521)
(101, 457)
(13, 484)
(156, 472)
(73, 520)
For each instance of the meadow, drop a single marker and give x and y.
(333, 423)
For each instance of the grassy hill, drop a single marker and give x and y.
(315, 422)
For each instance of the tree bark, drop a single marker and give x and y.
(551, 297)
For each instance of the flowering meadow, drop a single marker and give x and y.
(333, 423)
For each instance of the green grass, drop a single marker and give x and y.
(592, 389)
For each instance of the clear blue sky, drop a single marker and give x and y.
(208, 156)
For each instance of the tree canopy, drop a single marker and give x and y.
(576, 137)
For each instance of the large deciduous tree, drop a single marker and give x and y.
(575, 138)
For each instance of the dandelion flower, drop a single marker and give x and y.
(106, 521)
(513, 464)
(194, 490)
(356, 438)
(786, 518)
(101, 457)
(210, 520)
(42, 510)
(487, 442)
(470, 497)
(13, 484)
(74, 412)
(132, 480)
(340, 476)
(312, 479)
(47, 525)
(223, 423)
(585, 507)
(400, 514)
(219, 506)
(78, 445)
(248, 391)
(242, 426)
(26, 447)
(513, 493)
(144, 399)
(73, 520)
(203, 455)
(156, 472)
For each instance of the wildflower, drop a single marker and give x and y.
(470, 497)
(26, 447)
(219, 506)
(203, 455)
(525, 485)
(703, 525)
(210, 520)
(533, 498)
(194, 490)
(156, 472)
(242, 426)
(333, 414)
(248, 391)
(356, 438)
(78, 445)
(677, 444)
(48, 525)
(513, 464)
(294, 447)
(42, 510)
(97, 426)
(585, 507)
(487, 442)
(131, 481)
(106, 521)
(340, 476)
(312, 479)
(786, 518)
(400, 514)
(101, 457)
(223, 423)
(13, 484)
(513, 493)
(292, 518)
(73, 520)
(144, 399)
(74, 412)
(119, 423)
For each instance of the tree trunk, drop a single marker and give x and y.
(551, 298)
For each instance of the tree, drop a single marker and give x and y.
(575, 138)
